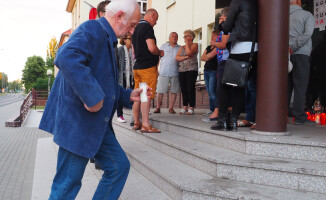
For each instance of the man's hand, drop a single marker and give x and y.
(161, 53)
(94, 108)
(135, 94)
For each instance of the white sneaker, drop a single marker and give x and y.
(121, 119)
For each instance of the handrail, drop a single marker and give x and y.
(25, 107)
(39, 95)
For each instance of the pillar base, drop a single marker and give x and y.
(265, 133)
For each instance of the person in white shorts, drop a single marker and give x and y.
(168, 73)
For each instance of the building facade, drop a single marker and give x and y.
(180, 15)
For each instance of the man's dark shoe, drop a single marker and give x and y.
(307, 122)
(220, 126)
(132, 123)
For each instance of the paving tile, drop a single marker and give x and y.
(17, 156)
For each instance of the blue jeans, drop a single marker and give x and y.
(250, 107)
(70, 170)
(210, 82)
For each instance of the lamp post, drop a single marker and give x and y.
(49, 73)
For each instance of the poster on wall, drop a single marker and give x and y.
(320, 14)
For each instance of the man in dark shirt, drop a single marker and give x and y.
(145, 69)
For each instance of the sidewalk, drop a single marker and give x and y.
(17, 156)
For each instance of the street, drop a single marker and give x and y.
(10, 98)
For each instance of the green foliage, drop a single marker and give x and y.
(42, 83)
(49, 63)
(34, 69)
(3, 81)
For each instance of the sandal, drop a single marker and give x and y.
(137, 127)
(183, 112)
(253, 127)
(244, 123)
(149, 129)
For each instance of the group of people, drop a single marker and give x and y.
(96, 79)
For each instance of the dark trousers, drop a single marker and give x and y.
(188, 90)
(250, 97)
(230, 96)
(220, 70)
(298, 80)
(120, 107)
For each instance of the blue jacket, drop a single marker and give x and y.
(88, 73)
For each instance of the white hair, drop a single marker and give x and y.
(126, 6)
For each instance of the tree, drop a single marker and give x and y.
(51, 53)
(3, 80)
(52, 48)
(34, 68)
(14, 85)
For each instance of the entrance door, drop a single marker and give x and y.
(317, 83)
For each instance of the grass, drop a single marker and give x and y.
(38, 107)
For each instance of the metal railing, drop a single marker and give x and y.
(40, 96)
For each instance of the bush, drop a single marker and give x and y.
(42, 83)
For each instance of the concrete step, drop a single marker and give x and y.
(181, 181)
(223, 163)
(137, 186)
(301, 143)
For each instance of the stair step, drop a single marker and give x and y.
(138, 187)
(223, 163)
(304, 142)
(181, 181)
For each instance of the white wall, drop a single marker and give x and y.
(197, 15)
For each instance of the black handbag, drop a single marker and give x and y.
(236, 72)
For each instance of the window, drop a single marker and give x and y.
(143, 6)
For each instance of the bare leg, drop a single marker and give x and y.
(145, 112)
(214, 114)
(135, 110)
(172, 100)
(159, 100)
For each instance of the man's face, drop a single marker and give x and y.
(173, 39)
(128, 26)
(154, 19)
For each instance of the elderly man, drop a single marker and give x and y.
(301, 29)
(169, 73)
(83, 100)
(145, 68)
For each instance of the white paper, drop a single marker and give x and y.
(143, 95)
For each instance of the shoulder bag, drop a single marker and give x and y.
(236, 72)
